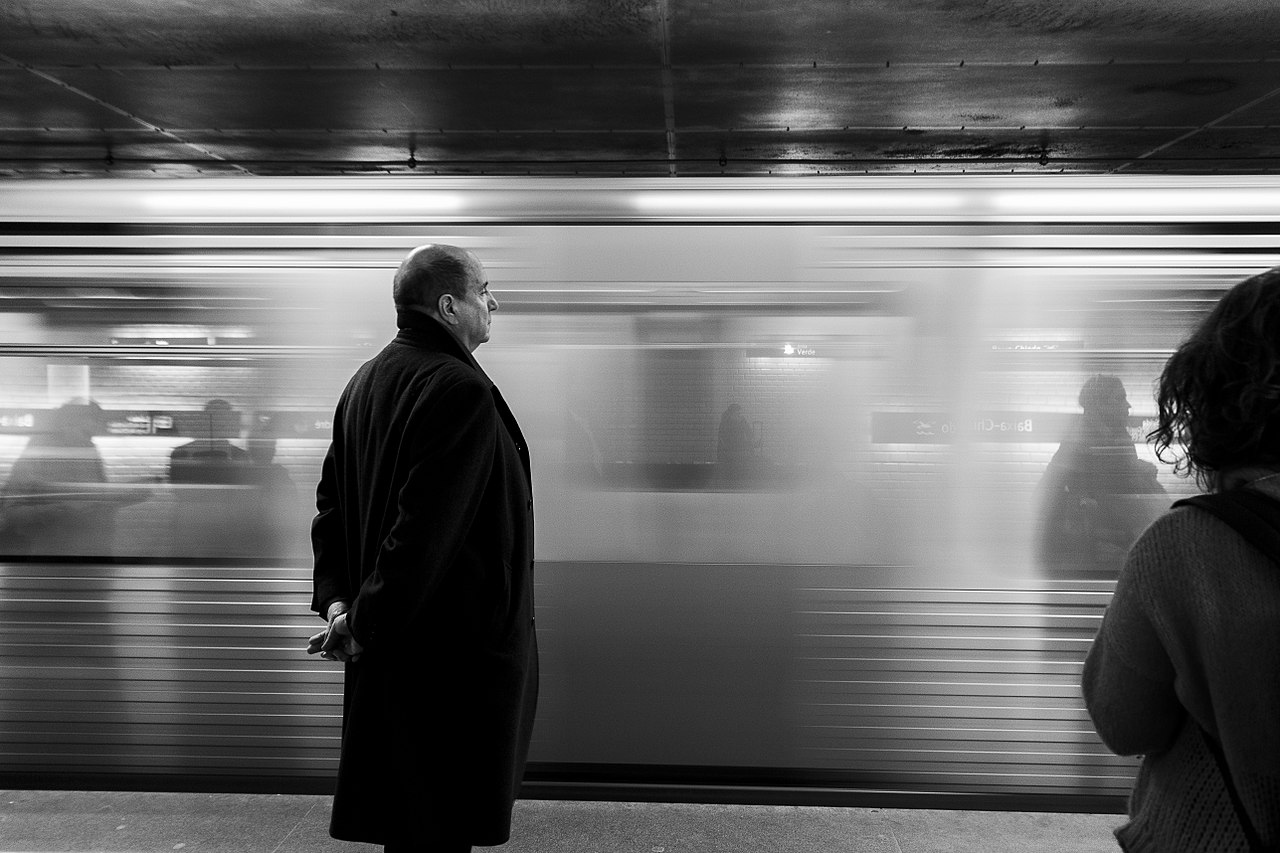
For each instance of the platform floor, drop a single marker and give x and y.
(80, 822)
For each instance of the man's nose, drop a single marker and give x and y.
(493, 302)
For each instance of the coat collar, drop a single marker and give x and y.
(420, 330)
(426, 332)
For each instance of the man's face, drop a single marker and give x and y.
(1112, 408)
(473, 308)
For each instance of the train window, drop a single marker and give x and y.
(141, 457)
(861, 394)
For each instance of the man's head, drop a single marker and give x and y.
(1104, 400)
(449, 284)
(80, 419)
(222, 421)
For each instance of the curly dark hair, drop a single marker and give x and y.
(1219, 393)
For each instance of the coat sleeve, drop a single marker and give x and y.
(445, 460)
(330, 573)
(1129, 677)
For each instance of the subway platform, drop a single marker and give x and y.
(131, 822)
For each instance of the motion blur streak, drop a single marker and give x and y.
(1240, 200)
(801, 447)
(329, 205)
(735, 203)
(963, 199)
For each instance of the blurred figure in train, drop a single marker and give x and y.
(1183, 670)
(1095, 496)
(210, 476)
(735, 447)
(211, 458)
(270, 500)
(583, 458)
(56, 501)
(424, 570)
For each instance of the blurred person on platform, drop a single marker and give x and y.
(1183, 671)
(210, 476)
(1096, 496)
(735, 446)
(272, 501)
(56, 501)
(211, 457)
(423, 547)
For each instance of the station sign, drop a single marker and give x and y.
(175, 423)
(996, 426)
(1033, 346)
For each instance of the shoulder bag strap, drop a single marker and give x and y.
(1253, 516)
(1246, 825)
(1250, 513)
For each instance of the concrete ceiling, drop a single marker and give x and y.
(637, 87)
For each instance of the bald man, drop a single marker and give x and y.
(423, 546)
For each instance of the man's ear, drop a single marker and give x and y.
(446, 309)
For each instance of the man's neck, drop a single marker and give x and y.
(418, 312)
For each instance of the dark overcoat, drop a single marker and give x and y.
(425, 524)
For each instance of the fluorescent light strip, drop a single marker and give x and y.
(792, 201)
(256, 203)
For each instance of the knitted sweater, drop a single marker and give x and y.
(1192, 635)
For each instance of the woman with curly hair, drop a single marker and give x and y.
(1185, 670)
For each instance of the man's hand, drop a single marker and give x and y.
(336, 643)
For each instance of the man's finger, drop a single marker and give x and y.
(316, 643)
(332, 640)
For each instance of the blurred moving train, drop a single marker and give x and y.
(798, 449)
